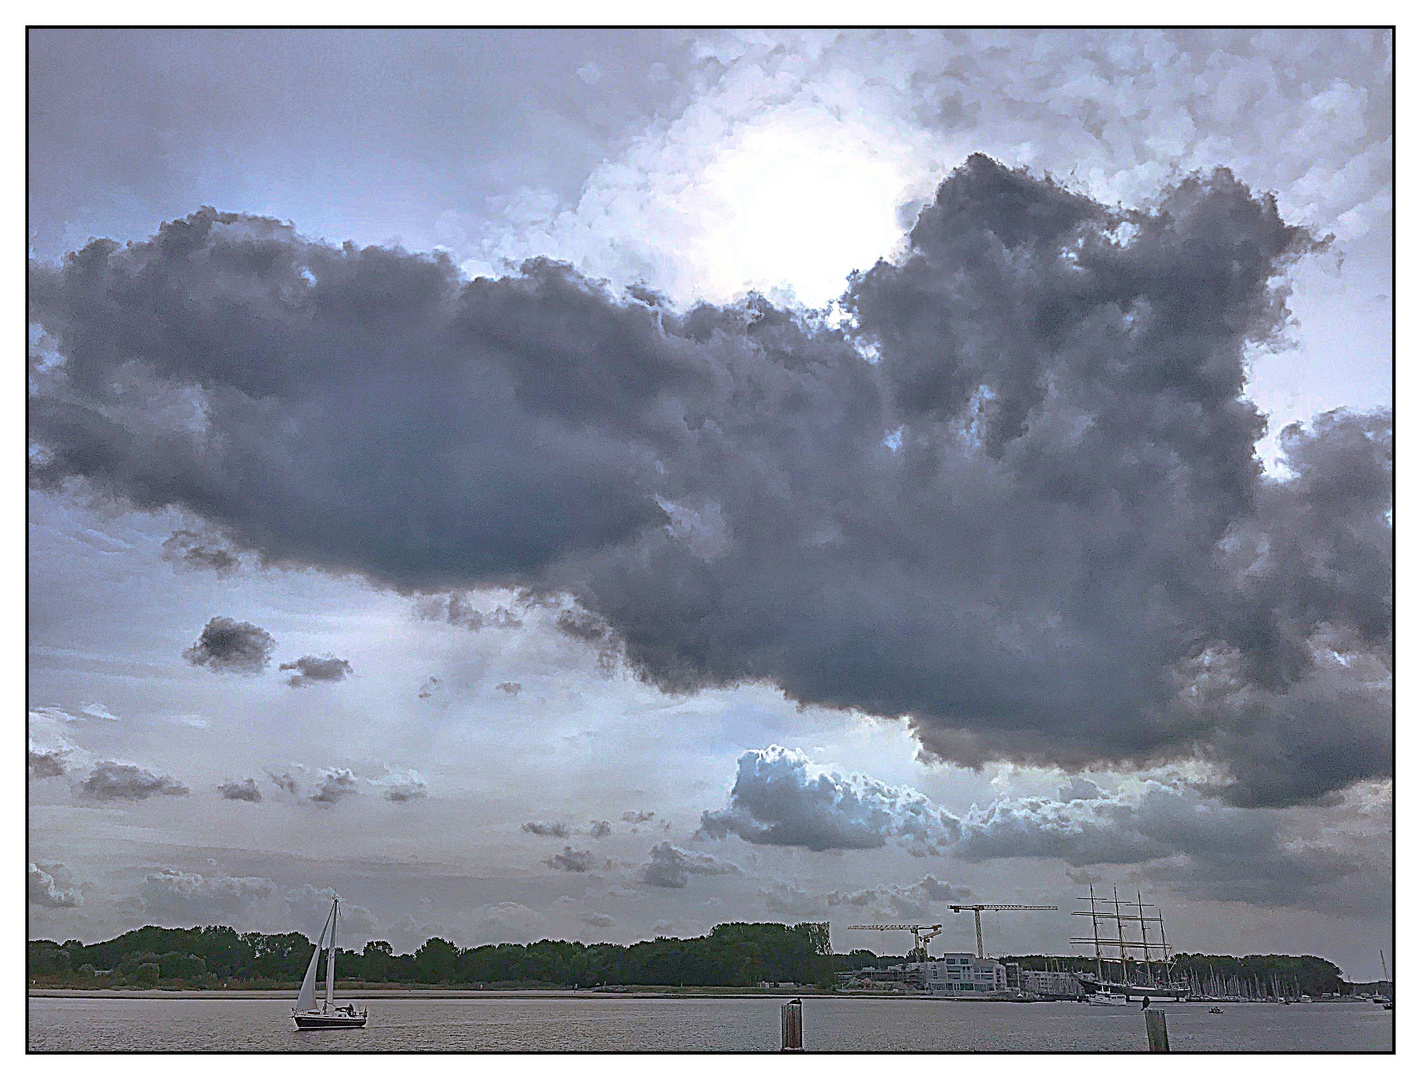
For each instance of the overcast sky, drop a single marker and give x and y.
(595, 484)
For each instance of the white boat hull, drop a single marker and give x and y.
(1119, 1001)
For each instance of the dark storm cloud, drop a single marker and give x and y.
(572, 860)
(316, 669)
(231, 646)
(1026, 526)
(112, 780)
(336, 784)
(240, 790)
(671, 867)
(779, 798)
(540, 828)
(45, 891)
(188, 550)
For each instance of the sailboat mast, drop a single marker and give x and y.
(1144, 936)
(1095, 932)
(331, 956)
(1120, 930)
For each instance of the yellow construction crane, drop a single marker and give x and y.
(920, 938)
(977, 910)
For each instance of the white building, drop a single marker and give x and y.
(962, 973)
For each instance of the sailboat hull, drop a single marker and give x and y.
(327, 1021)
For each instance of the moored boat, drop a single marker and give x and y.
(1105, 997)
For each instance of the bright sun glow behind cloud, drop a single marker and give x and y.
(795, 204)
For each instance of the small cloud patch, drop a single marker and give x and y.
(113, 780)
(231, 647)
(240, 790)
(317, 669)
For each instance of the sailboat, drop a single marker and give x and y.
(328, 1014)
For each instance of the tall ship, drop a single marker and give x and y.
(1128, 964)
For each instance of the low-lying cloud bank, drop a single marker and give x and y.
(1014, 499)
(1190, 838)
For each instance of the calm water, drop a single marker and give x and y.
(724, 1024)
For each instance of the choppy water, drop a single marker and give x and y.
(598, 1023)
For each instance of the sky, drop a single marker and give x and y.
(599, 484)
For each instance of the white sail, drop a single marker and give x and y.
(306, 999)
(331, 958)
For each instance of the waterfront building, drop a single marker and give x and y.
(962, 973)
(1051, 983)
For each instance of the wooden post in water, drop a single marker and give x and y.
(792, 1025)
(1156, 1030)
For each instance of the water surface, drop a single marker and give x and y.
(600, 1023)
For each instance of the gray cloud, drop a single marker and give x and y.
(285, 782)
(405, 786)
(1204, 847)
(1019, 527)
(310, 906)
(572, 860)
(44, 762)
(336, 784)
(512, 689)
(316, 669)
(598, 919)
(231, 646)
(457, 610)
(780, 798)
(638, 817)
(600, 829)
(189, 550)
(112, 780)
(181, 898)
(240, 790)
(45, 891)
(429, 686)
(671, 867)
(542, 828)
(921, 900)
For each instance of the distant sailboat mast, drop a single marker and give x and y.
(331, 959)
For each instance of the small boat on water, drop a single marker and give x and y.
(328, 1015)
(1105, 997)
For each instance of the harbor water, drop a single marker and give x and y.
(602, 1023)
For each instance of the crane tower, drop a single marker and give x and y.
(921, 935)
(977, 910)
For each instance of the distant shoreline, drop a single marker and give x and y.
(353, 993)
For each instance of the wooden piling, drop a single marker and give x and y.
(792, 1025)
(1156, 1030)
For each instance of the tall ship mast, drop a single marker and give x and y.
(1128, 961)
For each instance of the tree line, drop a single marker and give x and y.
(732, 954)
